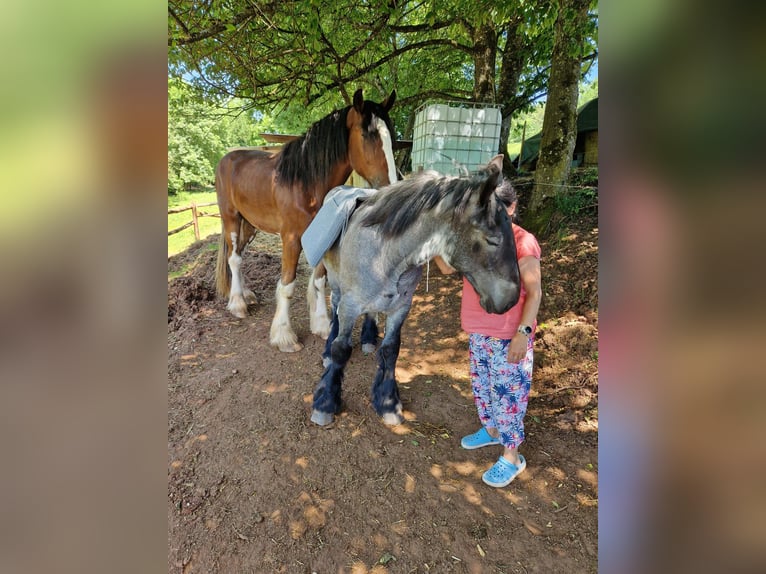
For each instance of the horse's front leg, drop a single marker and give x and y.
(385, 391)
(327, 395)
(315, 293)
(282, 334)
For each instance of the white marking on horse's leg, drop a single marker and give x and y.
(322, 419)
(318, 317)
(282, 334)
(392, 419)
(388, 149)
(237, 305)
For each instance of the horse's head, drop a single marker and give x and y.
(370, 141)
(485, 251)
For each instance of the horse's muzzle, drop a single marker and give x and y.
(500, 300)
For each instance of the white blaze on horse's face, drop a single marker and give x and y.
(388, 148)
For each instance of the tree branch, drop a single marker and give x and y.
(219, 26)
(390, 56)
(406, 29)
(178, 20)
(420, 97)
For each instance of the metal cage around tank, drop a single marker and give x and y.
(454, 138)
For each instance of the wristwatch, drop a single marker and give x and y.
(525, 330)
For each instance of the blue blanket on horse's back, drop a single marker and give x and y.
(331, 220)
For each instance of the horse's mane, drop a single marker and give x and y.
(399, 205)
(310, 158)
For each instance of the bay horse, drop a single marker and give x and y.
(377, 264)
(281, 193)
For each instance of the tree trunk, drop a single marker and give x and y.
(560, 120)
(510, 71)
(485, 51)
(405, 154)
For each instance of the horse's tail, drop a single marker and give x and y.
(222, 271)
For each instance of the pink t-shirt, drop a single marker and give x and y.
(474, 319)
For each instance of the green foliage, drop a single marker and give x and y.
(534, 120)
(296, 61)
(582, 194)
(533, 117)
(574, 201)
(587, 92)
(313, 54)
(200, 132)
(584, 176)
(195, 138)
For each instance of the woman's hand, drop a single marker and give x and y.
(517, 349)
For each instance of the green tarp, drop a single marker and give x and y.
(587, 121)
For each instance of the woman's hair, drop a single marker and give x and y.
(506, 194)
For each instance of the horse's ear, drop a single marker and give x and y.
(496, 162)
(495, 169)
(359, 101)
(389, 101)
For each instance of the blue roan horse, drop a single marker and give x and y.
(377, 264)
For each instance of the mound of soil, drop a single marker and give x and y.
(254, 486)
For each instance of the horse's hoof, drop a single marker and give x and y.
(238, 312)
(290, 347)
(368, 348)
(392, 419)
(321, 330)
(326, 362)
(320, 418)
(250, 298)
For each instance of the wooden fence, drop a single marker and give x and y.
(196, 214)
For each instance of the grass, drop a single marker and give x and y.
(187, 267)
(207, 225)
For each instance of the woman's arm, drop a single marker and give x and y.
(529, 269)
(443, 266)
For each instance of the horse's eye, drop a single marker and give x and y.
(493, 241)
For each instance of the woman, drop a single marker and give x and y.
(500, 352)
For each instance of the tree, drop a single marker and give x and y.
(194, 138)
(199, 133)
(560, 121)
(296, 60)
(312, 54)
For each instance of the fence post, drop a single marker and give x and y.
(194, 219)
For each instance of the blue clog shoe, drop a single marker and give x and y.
(503, 472)
(478, 439)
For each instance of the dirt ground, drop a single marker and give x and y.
(254, 486)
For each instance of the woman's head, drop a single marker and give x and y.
(507, 195)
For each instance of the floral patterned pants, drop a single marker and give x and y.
(500, 388)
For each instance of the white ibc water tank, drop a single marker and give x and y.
(455, 138)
